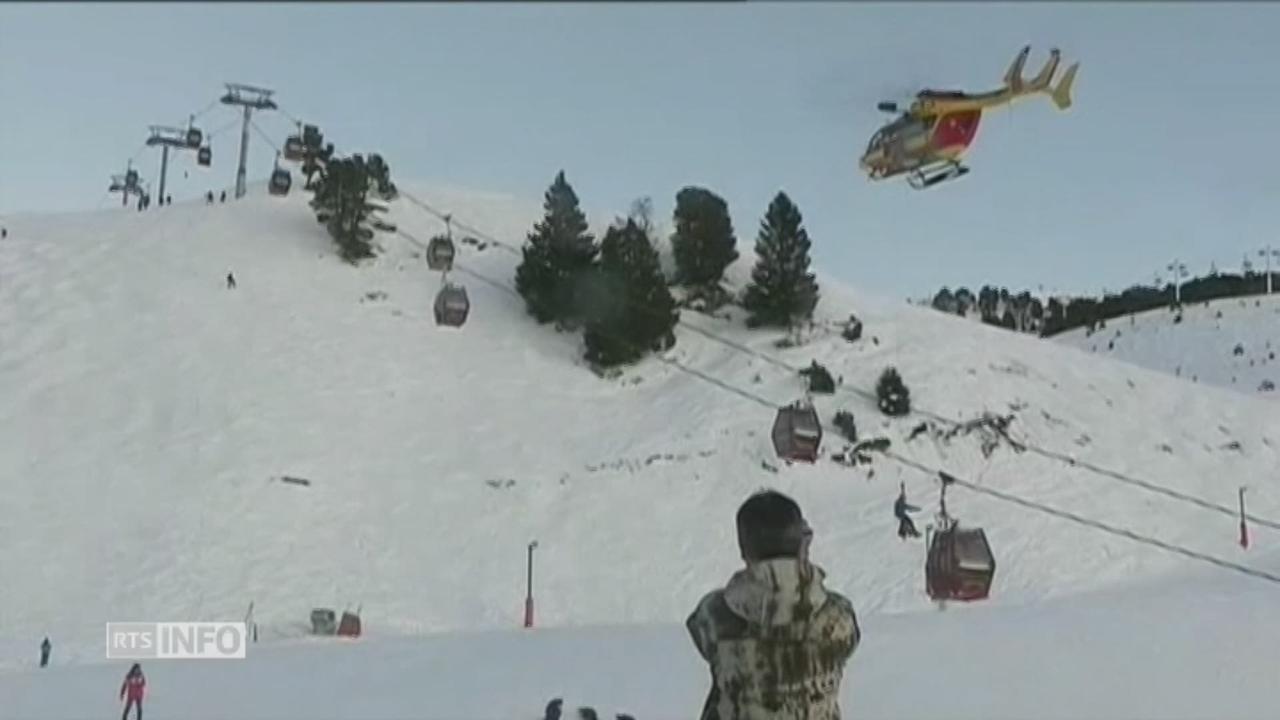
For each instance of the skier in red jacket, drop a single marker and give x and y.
(134, 683)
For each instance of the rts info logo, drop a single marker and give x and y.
(176, 640)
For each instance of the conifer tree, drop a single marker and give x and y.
(703, 243)
(782, 290)
(892, 395)
(559, 253)
(632, 309)
(341, 201)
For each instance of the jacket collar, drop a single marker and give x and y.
(776, 592)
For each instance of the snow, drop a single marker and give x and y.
(150, 413)
(1200, 348)
(1196, 647)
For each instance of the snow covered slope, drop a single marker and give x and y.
(1198, 646)
(1231, 343)
(149, 412)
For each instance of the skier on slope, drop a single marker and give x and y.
(134, 683)
(777, 641)
(906, 528)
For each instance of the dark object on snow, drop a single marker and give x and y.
(960, 565)
(797, 432)
(1238, 350)
(553, 710)
(295, 480)
(324, 622)
(586, 713)
(852, 329)
(845, 424)
(223, 197)
(46, 647)
(208, 198)
(820, 380)
(917, 431)
(4, 233)
(231, 281)
(168, 199)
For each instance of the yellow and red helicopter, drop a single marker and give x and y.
(927, 140)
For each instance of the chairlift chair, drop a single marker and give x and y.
(204, 156)
(960, 565)
(797, 432)
(452, 305)
(281, 180)
(440, 253)
(194, 137)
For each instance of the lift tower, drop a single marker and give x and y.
(171, 137)
(250, 98)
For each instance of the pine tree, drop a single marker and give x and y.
(632, 310)
(892, 395)
(559, 253)
(781, 290)
(703, 243)
(341, 202)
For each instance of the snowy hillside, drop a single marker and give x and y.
(149, 412)
(1231, 343)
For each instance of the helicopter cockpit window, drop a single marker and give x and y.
(876, 140)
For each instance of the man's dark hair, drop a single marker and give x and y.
(770, 525)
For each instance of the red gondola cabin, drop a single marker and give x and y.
(960, 565)
(797, 432)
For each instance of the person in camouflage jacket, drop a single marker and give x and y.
(777, 641)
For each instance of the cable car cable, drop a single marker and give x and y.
(266, 138)
(947, 477)
(746, 394)
(915, 410)
(1098, 525)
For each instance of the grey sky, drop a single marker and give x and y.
(1168, 150)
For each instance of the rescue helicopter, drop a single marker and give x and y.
(926, 141)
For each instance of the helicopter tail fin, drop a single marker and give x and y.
(1013, 78)
(1062, 94)
(1041, 81)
